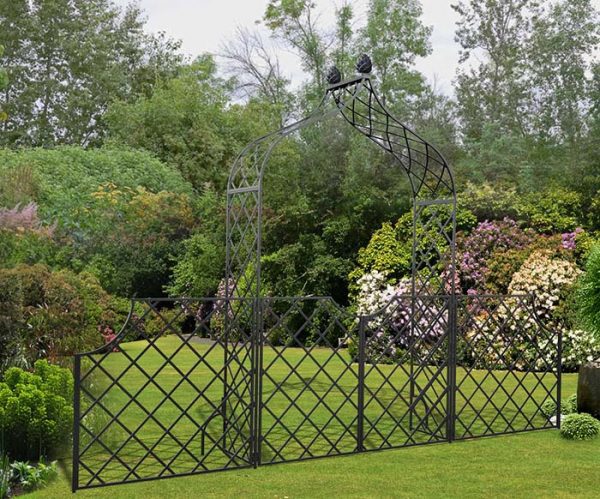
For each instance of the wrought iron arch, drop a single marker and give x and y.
(231, 393)
(430, 177)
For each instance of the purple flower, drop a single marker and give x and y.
(569, 239)
(475, 249)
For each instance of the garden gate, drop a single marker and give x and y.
(199, 385)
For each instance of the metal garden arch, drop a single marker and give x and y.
(196, 385)
(430, 177)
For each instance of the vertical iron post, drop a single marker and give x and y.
(76, 416)
(360, 421)
(253, 383)
(451, 410)
(559, 378)
(257, 353)
(227, 322)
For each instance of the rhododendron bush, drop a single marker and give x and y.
(517, 333)
(388, 306)
(536, 273)
(486, 240)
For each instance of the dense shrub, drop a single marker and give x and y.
(488, 202)
(135, 239)
(60, 180)
(201, 263)
(117, 213)
(550, 280)
(548, 408)
(30, 247)
(502, 264)
(307, 264)
(385, 253)
(550, 211)
(36, 414)
(45, 313)
(567, 406)
(487, 239)
(579, 427)
(588, 293)
(389, 331)
(390, 249)
(24, 238)
(200, 267)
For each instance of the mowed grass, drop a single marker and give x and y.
(311, 412)
(537, 464)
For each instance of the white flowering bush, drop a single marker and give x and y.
(513, 335)
(389, 306)
(549, 279)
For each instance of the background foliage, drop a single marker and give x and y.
(115, 151)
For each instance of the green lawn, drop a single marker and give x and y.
(434, 469)
(538, 464)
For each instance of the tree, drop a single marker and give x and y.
(532, 75)
(256, 70)
(343, 56)
(525, 92)
(493, 91)
(295, 23)
(67, 60)
(394, 36)
(559, 59)
(188, 122)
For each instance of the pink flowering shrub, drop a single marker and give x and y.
(475, 249)
(569, 239)
(24, 219)
(108, 334)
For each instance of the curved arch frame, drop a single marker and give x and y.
(430, 177)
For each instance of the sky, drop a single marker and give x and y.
(204, 25)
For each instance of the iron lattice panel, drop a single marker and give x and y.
(309, 391)
(192, 386)
(508, 366)
(168, 403)
(405, 350)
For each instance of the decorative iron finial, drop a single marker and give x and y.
(333, 75)
(364, 64)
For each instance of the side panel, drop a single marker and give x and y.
(170, 397)
(309, 380)
(406, 385)
(508, 367)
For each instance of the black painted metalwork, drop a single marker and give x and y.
(314, 382)
(201, 385)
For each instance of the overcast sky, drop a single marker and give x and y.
(203, 25)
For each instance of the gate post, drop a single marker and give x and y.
(256, 381)
(451, 401)
(258, 361)
(360, 421)
(76, 415)
(559, 347)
